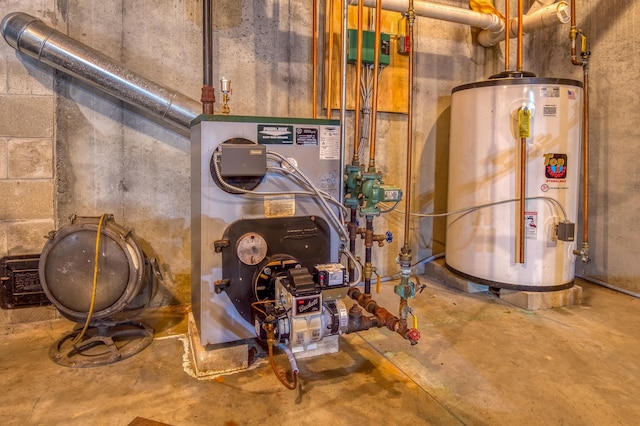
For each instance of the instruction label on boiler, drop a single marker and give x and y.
(280, 206)
(307, 136)
(330, 143)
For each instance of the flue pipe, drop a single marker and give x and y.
(32, 37)
(459, 15)
(557, 13)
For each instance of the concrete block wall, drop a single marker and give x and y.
(27, 134)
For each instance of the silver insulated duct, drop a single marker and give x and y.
(33, 37)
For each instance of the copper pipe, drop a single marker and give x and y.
(584, 252)
(358, 94)
(585, 160)
(208, 93)
(520, 35)
(573, 35)
(374, 98)
(406, 249)
(522, 179)
(315, 58)
(507, 31)
(329, 16)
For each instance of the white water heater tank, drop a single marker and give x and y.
(484, 170)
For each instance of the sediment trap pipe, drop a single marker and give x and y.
(34, 38)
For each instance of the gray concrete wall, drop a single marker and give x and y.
(65, 148)
(614, 91)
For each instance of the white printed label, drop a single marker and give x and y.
(330, 143)
(531, 225)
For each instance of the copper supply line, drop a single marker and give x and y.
(520, 35)
(343, 87)
(329, 16)
(522, 179)
(574, 35)
(315, 58)
(585, 129)
(374, 98)
(208, 93)
(358, 94)
(507, 31)
(522, 174)
(406, 249)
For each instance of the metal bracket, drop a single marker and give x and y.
(220, 244)
(220, 285)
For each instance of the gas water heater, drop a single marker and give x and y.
(265, 228)
(484, 168)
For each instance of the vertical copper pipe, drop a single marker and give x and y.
(574, 35)
(315, 58)
(407, 217)
(520, 34)
(329, 16)
(585, 133)
(374, 98)
(208, 97)
(521, 207)
(585, 158)
(358, 94)
(507, 35)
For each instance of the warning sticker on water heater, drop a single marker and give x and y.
(531, 225)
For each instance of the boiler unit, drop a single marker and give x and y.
(266, 229)
(511, 136)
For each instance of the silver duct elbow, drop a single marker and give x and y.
(32, 37)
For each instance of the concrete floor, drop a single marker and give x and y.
(480, 361)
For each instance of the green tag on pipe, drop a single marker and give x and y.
(524, 122)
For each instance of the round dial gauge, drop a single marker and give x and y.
(251, 248)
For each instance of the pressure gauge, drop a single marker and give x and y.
(251, 248)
